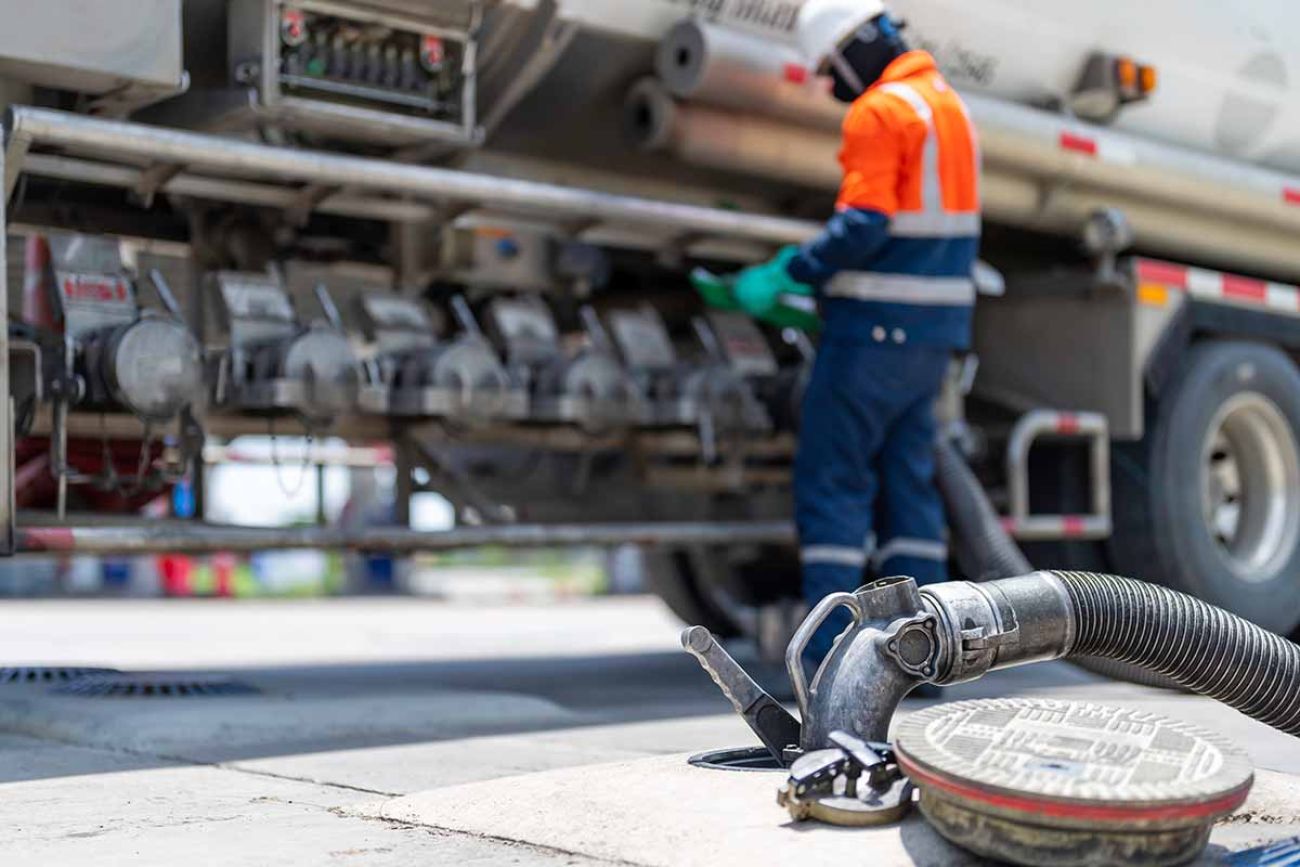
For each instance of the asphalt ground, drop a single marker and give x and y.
(407, 731)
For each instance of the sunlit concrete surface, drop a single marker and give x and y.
(399, 731)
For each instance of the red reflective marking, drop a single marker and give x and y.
(1078, 144)
(1072, 525)
(1067, 423)
(1162, 273)
(1094, 812)
(796, 74)
(1244, 288)
(80, 288)
(434, 51)
(1291, 195)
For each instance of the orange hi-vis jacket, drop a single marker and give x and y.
(895, 263)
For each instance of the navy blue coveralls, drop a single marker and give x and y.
(893, 273)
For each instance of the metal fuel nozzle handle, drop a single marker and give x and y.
(773, 724)
(804, 634)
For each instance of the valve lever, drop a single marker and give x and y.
(774, 725)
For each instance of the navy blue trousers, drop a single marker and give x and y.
(864, 474)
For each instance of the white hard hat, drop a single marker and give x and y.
(825, 24)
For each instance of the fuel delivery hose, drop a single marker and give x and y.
(984, 549)
(986, 552)
(1197, 645)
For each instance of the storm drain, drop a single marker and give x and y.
(119, 685)
(49, 673)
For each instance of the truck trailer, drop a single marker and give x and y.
(465, 228)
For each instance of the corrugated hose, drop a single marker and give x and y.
(986, 552)
(1199, 646)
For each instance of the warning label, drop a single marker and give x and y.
(771, 15)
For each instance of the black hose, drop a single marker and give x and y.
(986, 552)
(1199, 646)
(984, 549)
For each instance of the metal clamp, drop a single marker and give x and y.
(803, 635)
(826, 785)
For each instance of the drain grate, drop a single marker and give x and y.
(49, 673)
(119, 685)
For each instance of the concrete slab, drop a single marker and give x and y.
(201, 816)
(410, 768)
(662, 811)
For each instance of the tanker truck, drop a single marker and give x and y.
(465, 228)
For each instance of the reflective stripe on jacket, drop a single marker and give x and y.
(895, 263)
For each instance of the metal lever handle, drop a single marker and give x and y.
(465, 316)
(802, 635)
(328, 307)
(771, 722)
(595, 329)
(708, 339)
(165, 293)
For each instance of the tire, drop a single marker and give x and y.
(1209, 502)
(722, 589)
(676, 577)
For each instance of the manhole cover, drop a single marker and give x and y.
(119, 685)
(49, 673)
(1070, 784)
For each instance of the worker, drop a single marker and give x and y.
(892, 273)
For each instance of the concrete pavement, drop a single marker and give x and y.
(403, 731)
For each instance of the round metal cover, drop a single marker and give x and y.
(325, 361)
(470, 368)
(157, 368)
(1035, 781)
(596, 376)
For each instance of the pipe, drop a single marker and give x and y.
(185, 538)
(724, 67)
(740, 72)
(1030, 140)
(735, 142)
(756, 145)
(28, 127)
(225, 189)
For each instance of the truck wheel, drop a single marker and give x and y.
(1209, 503)
(676, 576)
(723, 589)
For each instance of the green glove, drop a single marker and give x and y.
(795, 311)
(792, 305)
(758, 289)
(715, 290)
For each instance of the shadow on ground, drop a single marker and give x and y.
(325, 708)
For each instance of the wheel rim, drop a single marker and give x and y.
(1250, 487)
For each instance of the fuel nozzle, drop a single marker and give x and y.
(901, 636)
